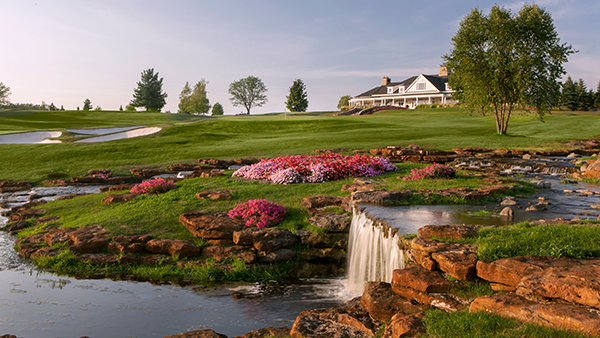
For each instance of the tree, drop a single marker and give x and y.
(249, 92)
(148, 93)
(344, 102)
(501, 61)
(52, 106)
(196, 101)
(217, 109)
(4, 93)
(569, 96)
(597, 97)
(62, 107)
(87, 104)
(296, 100)
(121, 108)
(586, 98)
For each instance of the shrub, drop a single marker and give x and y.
(315, 168)
(259, 213)
(433, 171)
(154, 186)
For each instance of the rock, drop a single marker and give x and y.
(423, 259)
(527, 157)
(172, 247)
(246, 161)
(322, 240)
(182, 167)
(198, 334)
(537, 207)
(459, 264)
(214, 195)
(348, 320)
(381, 196)
(265, 239)
(272, 332)
(314, 202)
(147, 172)
(147, 260)
(508, 201)
(331, 222)
(539, 184)
(402, 325)
(455, 231)
(47, 219)
(118, 198)
(88, 239)
(560, 316)
(510, 271)
(99, 258)
(382, 303)
(308, 270)
(128, 244)
(507, 212)
(347, 204)
(357, 187)
(220, 253)
(572, 155)
(323, 255)
(442, 301)
(119, 187)
(211, 226)
(280, 255)
(14, 227)
(416, 277)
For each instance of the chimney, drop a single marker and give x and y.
(443, 71)
(386, 81)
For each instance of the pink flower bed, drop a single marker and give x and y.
(433, 171)
(258, 213)
(315, 168)
(153, 186)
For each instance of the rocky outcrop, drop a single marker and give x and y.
(314, 203)
(402, 325)
(211, 226)
(561, 316)
(331, 222)
(128, 244)
(416, 277)
(381, 196)
(455, 231)
(458, 260)
(220, 253)
(172, 247)
(14, 186)
(147, 172)
(382, 303)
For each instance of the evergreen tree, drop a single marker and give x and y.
(121, 108)
(62, 107)
(296, 100)
(217, 109)
(597, 97)
(582, 95)
(87, 104)
(148, 93)
(569, 96)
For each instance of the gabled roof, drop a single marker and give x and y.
(438, 81)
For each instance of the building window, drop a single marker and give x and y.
(401, 89)
(421, 86)
(390, 90)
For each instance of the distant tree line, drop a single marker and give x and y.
(575, 96)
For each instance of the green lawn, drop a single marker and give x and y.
(266, 136)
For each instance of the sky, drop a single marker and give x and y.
(63, 52)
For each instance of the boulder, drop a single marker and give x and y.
(348, 320)
(148, 260)
(357, 187)
(560, 316)
(382, 303)
(14, 227)
(172, 247)
(46, 219)
(214, 195)
(280, 255)
(198, 334)
(182, 167)
(119, 187)
(220, 253)
(442, 301)
(402, 325)
(416, 277)
(265, 239)
(322, 240)
(508, 201)
(537, 207)
(147, 172)
(331, 255)
(507, 212)
(272, 332)
(118, 198)
(98, 258)
(87, 239)
(381, 196)
(331, 222)
(510, 271)
(314, 202)
(459, 264)
(455, 231)
(211, 226)
(347, 204)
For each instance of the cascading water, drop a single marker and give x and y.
(373, 252)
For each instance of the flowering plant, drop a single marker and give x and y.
(259, 213)
(433, 171)
(102, 173)
(154, 186)
(315, 168)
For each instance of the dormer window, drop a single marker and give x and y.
(421, 86)
(401, 89)
(390, 90)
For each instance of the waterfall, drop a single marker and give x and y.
(373, 253)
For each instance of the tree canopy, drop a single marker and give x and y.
(297, 99)
(504, 60)
(148, 93)
(217, 109)
(194, 101)
(87, 104)
(344, 102)
(4, 93)
(248, 92)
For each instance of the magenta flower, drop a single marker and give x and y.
(153, 186)
(258, 213)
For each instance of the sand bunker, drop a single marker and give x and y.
(118, 136)
(31, 137)
(100, 131)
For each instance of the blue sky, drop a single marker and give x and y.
(66, 51)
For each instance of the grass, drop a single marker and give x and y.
(266, 136)
(485, 325)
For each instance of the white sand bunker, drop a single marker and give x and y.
(31, 137)
(100, 131)
(118, 136)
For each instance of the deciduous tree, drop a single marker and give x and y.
(194, 101)
(502, 60)
(149, 93)
(344, 102)
(217, 109)
(297, 99)
(4, 93)
(248, 92)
